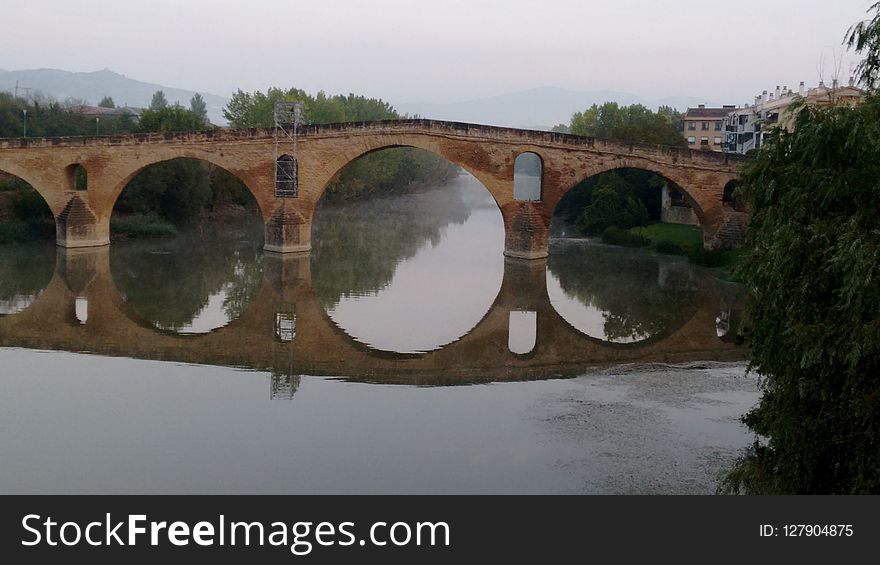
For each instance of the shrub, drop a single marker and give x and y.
(142, 226)
(617, 236)
(668, 248)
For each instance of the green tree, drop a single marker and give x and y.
(106, 102)
(814, 299)
(159, 101)
(864, 37)
(634, 123)
(169, 119)
(198, 107)
(612, 206)
(675, 117)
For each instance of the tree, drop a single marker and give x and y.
(198, 107)
(675, 117)
(612, 205)
(159, 101)
(170, 118)
(634, 123)
(864, 38)
(107, 102)
(814, 298)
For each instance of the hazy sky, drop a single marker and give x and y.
(442, 50)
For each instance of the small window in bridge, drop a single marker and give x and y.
(285, 324)
(77, 179)
(729, 198)
(286, 176)
(522, 332)
(81, 309)
(528, 169)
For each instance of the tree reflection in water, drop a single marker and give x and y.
(637, 294)
(356, 246)
(25, 270)
(193, 283)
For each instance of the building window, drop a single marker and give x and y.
(718, 125)
(692, 140)
(717, 141)
(692, 126)
(705, 126)
(704, 141)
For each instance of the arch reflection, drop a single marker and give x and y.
(25, 272)
(193, 284)
(620, 295)
(285, 331)
(404, 275)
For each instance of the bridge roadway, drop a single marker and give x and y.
(83, 216)
(319, 347)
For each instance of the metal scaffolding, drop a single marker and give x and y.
(289, 116)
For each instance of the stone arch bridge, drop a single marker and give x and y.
(83, 216)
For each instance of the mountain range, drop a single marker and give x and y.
(537, 108)
(92, 87)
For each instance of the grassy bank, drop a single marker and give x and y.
(674, 239)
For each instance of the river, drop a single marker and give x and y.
(404, 355)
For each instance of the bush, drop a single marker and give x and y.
(142, 226)
(668, 248)
(617, 236)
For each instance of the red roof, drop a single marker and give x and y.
(707, 113)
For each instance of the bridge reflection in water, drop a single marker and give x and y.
(285, 330)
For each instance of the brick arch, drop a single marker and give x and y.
(247, 178)
(680, 178)
(462, 154)
(22, 174)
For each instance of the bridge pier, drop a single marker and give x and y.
(526, 229)
(288, 230)
(78, 226)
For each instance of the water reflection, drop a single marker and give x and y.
(192, 284)
(383, 298)
(25, 270)
(410, 274)
(620, 295)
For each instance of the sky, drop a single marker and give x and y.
(443, 50)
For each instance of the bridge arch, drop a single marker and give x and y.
(247, 180)
(681, 179)
(22, 174)
(459, 156)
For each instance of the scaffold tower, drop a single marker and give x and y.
(288, 116)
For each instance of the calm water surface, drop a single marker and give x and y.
(201, 364)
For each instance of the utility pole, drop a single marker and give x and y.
(97, 127)
(25, 123)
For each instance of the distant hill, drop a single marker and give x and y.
(93, 86)
(538, 108)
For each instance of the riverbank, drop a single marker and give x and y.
(666, 239)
